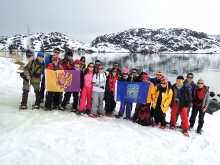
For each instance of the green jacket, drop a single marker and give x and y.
(28, 70)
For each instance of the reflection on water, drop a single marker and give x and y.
(203, 66)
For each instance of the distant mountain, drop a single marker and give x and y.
(43, 42)
(172, 40)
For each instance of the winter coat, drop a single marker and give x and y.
(52, 67)
(151, 92)
(111, 83)
(166, 98)
(34, 65)
(192, 86)
(48, 60)
(205, 101)
(67, 64)
(154, 81)
(185, 97)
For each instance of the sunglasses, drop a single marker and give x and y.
(145, 79)
(163, 83)
(134, 72)
(189, 77)
(114, 71)
(57, 52)
(115, 65)
(159, 74)
(91, 66)
(55, 60)
(200, 83)
(125, 73)
(100, 68)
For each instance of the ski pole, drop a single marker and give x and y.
(30, 92)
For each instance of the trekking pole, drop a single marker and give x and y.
(30, 92)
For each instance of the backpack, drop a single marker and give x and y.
(144, 117)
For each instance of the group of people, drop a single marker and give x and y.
(98, 86)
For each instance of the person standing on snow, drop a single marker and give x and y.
(33, 71)
(83, 64)
(181, 100)
(200, 104)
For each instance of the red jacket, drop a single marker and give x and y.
(64, 63)
(51, 67)
(111, 82)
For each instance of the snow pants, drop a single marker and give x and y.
(86, 99)
(183, 116)
(110, 103)
(26, 88)
(159, 116)
(97, 102)
(123, 106)
(67, 96)
(52, 96)
(194, 113)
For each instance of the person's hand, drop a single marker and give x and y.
(29, 77)
(203, 109)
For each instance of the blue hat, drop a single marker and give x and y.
(40, 54)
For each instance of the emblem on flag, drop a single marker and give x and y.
(132, 90)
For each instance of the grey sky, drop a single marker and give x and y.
(84, 20)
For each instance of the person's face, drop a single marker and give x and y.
(114, 72)
(76, 66)
(200, 84)
(55, 62)
(179, 82)
(100, 69)
(163, 85)
(82, 62)
(97, 64)
(189, 78)
(70, 57)
(56, 52)
(159, 76)
(40, 58)
(145, 80)
(91, 67)
(115, 66)
(134, 72)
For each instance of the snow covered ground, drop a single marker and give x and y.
(32, 137)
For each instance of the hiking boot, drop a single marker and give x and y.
(79, 112)
(199, 131)
(87, 111)
(42, 100)
(62, 108)
(36, 107)
(110, 115)
(185, 133)
(55, 107)
(154, 124)
(23, 107)
(100, 115)
(48, 108)
(73, 110)
(172, 127)
(118, 116)
(162, 127)
(91, 115)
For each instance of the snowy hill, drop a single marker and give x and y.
(43, 41)
(159, 40)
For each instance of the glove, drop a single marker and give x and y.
(184, 109)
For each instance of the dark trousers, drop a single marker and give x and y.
(194, 113)
(135, 116)
(110, 103)
(42, 89)
(52, 96)
(67, 96)
(159, 116)
(25, 97)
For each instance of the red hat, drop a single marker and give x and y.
(77, 61)
(55, 58)
(145, 76)
(164, 80)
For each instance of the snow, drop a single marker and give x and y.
(55, 137)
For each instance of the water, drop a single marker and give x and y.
(203, 66)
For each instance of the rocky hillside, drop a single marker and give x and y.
(43, 42)
(159, 40)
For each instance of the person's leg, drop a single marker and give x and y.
(76, 99)
(135, 115)
(201, 119)
(89, 98)
(94, 102)
(193, 115)
(100, 102)
(67, 96)
(161, 117)
(185, 121)
(82, 102)
(128, 110)
(156, 115)
(25, 89)
(56, 99)
(36, 87)
(48, 101)
(174, 112)
(108, 105)
(122, 108)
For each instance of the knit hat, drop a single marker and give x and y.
(83, 59)
(164, 80)
(145, 76)
(40, 54)
(54, 58)
(77, 61)
(69, 54)
(180, 77)
(115, 62)
(212, 94)
(124, 70)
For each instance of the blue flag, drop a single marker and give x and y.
(133, 92)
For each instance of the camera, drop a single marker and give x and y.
(102, 87)
(37, 75)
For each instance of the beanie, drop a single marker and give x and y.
(77, 61)
(69, 54)
(124, 70)
(83, 59)
(160, 72)
(180, 77)
(164, 80)
(40, 54)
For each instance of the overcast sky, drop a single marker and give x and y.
(84, 20)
